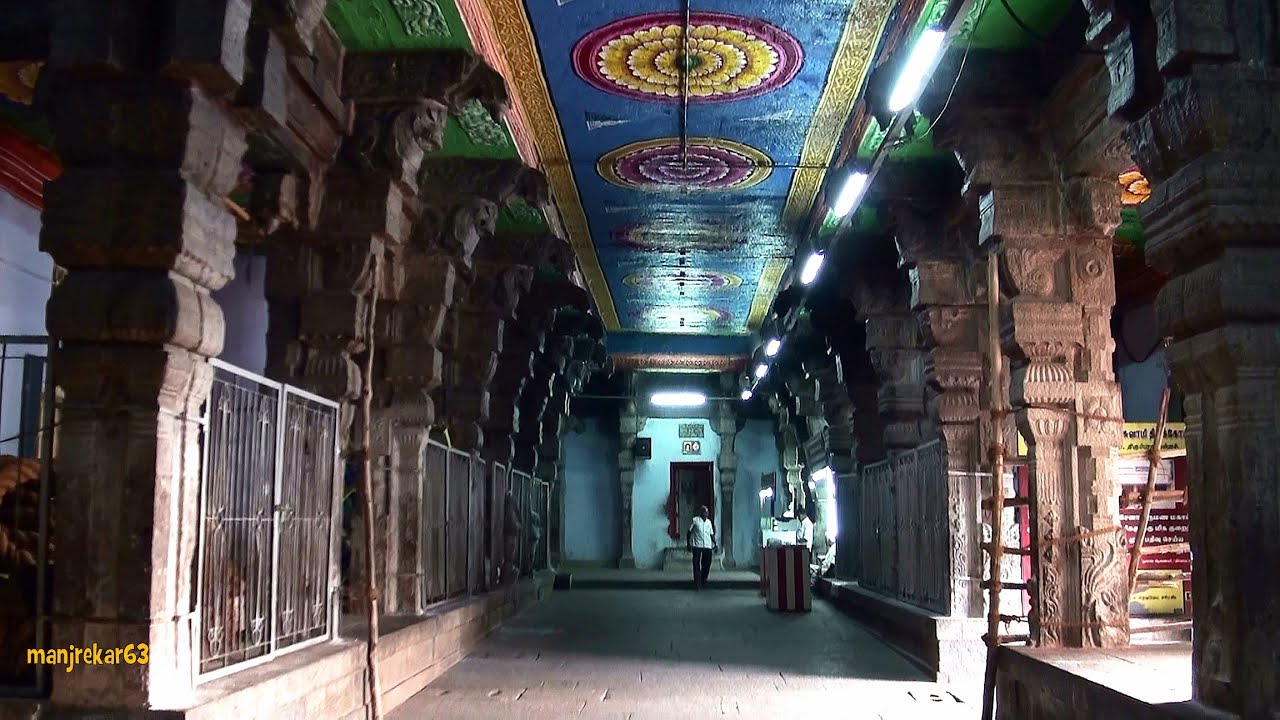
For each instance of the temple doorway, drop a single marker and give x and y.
(691, 486)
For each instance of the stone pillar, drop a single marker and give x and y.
(893, 343)
(944, 298)
(630, 424)
(1057, 290)
(726, 426)
(1194, 96)
(137, 218)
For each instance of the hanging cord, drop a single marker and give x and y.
(366, 488)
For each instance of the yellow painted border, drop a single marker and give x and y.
(770, 278)
(863, 32)
(515, 36)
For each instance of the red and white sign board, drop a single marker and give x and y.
(786, 572)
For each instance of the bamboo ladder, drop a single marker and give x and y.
(995, 504)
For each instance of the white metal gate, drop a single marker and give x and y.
(267, 565)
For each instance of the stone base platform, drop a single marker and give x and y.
(1140, 682)
(949, 649)
(326, 682)
(679, 559)
(609, 579)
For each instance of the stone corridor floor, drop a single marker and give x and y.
(673, 654)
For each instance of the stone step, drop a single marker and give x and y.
(680, 559)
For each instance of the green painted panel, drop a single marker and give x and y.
(398, 24)
(919, 147)
(997, 30)
(491, 142)
(1130, 231)
(520, 216)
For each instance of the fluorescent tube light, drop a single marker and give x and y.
(746, 394)
(912, 79)
(761, 370)
(772, 347)
(678, 399)
(824, 475)
(850, 194)
(811, 268)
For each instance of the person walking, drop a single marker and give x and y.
(701, 542)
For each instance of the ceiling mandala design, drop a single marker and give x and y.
(681, 318)
(771, 85)
(706, 164)
(669, 238)
(729, 57)
(682, 280)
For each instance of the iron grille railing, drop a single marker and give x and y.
(28, 425)
(434, 517)
(267, 575)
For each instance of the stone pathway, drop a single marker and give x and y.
(667, 654)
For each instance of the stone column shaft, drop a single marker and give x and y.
(137, 219)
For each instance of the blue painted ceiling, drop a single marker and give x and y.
(692, 237)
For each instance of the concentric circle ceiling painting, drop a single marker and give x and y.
(730, 57)
(682, 319)
(708, 164)
(692, 235)
(682, 278)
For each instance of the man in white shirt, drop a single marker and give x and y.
(701, 541)
(804, 535)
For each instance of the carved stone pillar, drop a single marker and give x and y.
(1194, 97)
(1057, 290)
(629, 425)
(407, 468)
(726, 426)
(137, 219)
(944, 297)
(880, 295)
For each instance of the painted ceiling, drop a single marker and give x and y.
(683, 166)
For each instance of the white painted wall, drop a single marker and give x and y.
(592, 496)
(649, 538)
(26, 277)
(757, 454)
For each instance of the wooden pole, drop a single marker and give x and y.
(1153, 456)
(366, 489)
(996, 507)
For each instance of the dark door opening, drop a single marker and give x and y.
(691, 486)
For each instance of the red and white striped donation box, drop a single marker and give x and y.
(786, 569)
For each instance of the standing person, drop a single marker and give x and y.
(701, 541)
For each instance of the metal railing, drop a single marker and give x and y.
(461, 520)
(267, 568)
(27, 432)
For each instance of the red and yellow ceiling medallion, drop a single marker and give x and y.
(727, 57)
(681, 279)
(1135, 189)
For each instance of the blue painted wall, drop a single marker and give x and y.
(757, 454)
(592, 496)
(244, 307)
(26, 277)
(649, 538)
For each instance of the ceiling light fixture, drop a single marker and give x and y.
(761, 370)
(923, 56)
(850, 194)
(746, 394)
(678, 399)
(772, 347)
(811, 268)
(824, 475)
